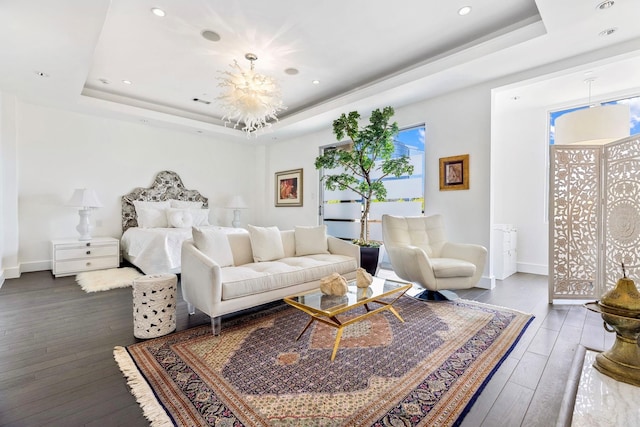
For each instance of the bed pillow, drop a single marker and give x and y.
(154, 205)
(214, 244)
(151, 214)
(152, 218)
(179, 218)
(200, 216)
(311, 240)
(185, 204)
(266, 243)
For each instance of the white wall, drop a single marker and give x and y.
(59, 151)
(8, 190)
(295, 153)
(456, 123)
(519, 158)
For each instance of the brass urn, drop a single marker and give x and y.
(620, 309)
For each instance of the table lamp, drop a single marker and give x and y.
(86, 199)
(236, 203)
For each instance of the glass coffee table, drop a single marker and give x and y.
(326, 308)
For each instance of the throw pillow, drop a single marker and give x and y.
(185, 204)
(214, 244)
(266, 243)
(311, 240)
(179, 218)
(151, 218)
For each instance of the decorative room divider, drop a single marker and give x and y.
(594, 217)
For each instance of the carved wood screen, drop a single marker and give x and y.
(594, 217)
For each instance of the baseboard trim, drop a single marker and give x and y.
(29, 267)
(11, 273)
(487, 283)
(539, 269)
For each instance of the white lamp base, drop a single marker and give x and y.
(236, 218)
(84, 226)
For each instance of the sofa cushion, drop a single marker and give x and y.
(311, 240)
(259, 277)
(266, 243)
(214, 244)
(449, 267)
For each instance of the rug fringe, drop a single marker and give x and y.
(151, 407)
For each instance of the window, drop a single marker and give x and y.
(340, 210)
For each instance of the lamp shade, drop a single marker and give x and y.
(236, 202)
(84, 198)
(592, 126)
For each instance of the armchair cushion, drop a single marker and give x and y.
(449, 267)
(408, 231)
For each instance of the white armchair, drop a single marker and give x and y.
(419, 253)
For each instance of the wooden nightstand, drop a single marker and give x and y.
(72, 256)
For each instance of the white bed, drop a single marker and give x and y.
(157, 250)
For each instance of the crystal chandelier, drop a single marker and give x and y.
(249, 97)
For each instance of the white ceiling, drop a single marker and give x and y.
(365, 53)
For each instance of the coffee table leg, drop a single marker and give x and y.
(393, 310)
(335, 345)
(305, 328)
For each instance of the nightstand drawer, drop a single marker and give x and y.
(75, 266)
(71, 256)
(86, 252)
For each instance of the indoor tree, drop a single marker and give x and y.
(371, 150)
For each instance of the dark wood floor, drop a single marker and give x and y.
(57, 367)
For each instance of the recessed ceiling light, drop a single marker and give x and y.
(465, 10)
(104, 81)
(127, 82)
(212, 36)
(605, 4)
(158, 12)
(291, 71)
(607, 32)
(41, 74)
(515, 98)
(315, 82)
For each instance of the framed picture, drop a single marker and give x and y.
(289, 188)
(454, 173)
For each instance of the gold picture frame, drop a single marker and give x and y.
(289, 188)
(454, 173)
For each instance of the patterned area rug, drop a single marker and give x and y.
(427, 371)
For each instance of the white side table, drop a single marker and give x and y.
(72, 256)
(154, 305)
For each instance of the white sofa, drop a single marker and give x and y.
(259, 266)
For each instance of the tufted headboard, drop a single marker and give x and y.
(167, 185)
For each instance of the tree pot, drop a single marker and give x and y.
(369, 259)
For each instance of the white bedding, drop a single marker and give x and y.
(157, 250)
